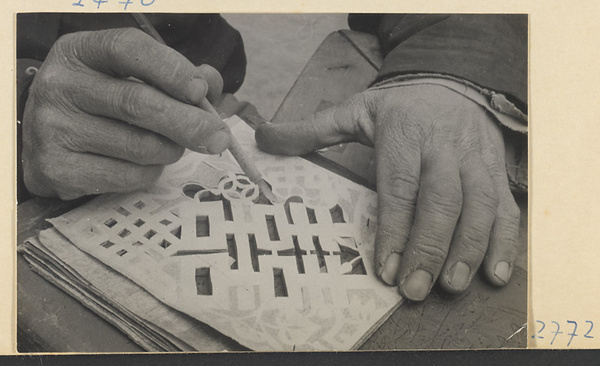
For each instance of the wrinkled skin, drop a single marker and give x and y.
(444, 204)
(89, 127)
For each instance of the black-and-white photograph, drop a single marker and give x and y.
(271, 182)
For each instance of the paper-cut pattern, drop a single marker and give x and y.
(291, 276)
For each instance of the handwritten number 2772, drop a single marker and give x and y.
(572, 334)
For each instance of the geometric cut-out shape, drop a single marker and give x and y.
(123, 211)
(139, 205)
(202, 226)
(121, 252)
(320, 254)
(165, 222)
(232, 251)
(150, 234)
(337, 214)
(177, 232)
(203, 281)
(272, 228)
(298, 253)
(110, 223)
(107, 244)
(139, 222)
(312, 218)
(124, 233)
(227, 210)
(279, 283)
(164, 244)
(253, 252)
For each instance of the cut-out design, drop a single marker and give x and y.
(107, 244)
(312, 217)
(203, 281)
(236, 187)
(150, 234)
(202, 226)
(110, 223)
(177, 232)
(286, 205)
(227, 210)
(337, 214)
(232, 250)
(124, 233)
(123, 211)
(253, 252)
(139, 222)
(191, 189)
(320, 254)
(279, 284)
(298, 254)
(272, 228)
(297, 275)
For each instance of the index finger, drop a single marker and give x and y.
(129, 52)
(144, 106)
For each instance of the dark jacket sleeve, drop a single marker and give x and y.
(487, 50)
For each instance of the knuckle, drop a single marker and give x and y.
(402, 190)
(512, 210)
(212, 77)
(474, 242)
(390, 236)
(484, 196)
(429, 250)
(136, 103)
(446, 202)
(118, 42)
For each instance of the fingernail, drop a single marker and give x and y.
(417, 285)
(460, 273)
(197, 89)
(502, 271)
(218, 142)
(390, 268)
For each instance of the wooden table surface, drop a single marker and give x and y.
(484, 316)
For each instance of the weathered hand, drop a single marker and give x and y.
(444, 203)
(89, 127)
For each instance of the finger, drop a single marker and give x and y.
(502, 252)
(73, 175)
(398, 157)
(472, 234)
(111, 138)
(438, 208)
(348, 121)
(129, 52)
(503, 248)
(146, 107)
(214, 81)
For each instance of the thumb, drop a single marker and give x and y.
(345, 122)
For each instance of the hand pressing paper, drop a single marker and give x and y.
(292, 276)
